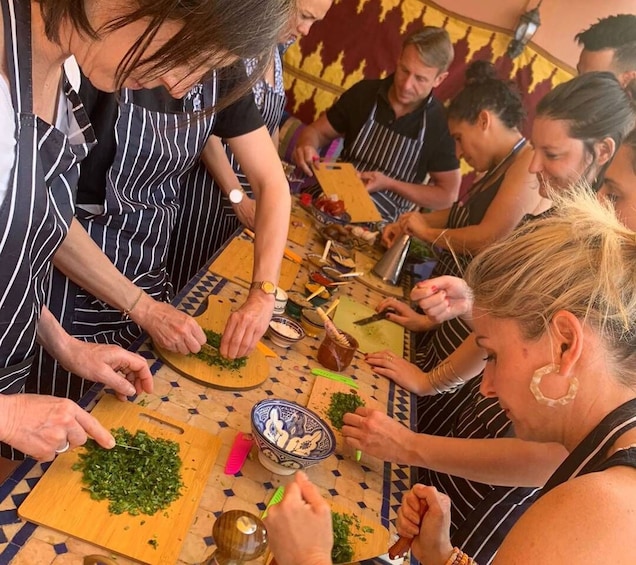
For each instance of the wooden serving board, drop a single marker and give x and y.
(58, 500)
(342, 179)
(299, 226)
(371, 280)
(236, 263)
(371, 337)
(320, 398)
(214, 318)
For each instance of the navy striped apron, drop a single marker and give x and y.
(481, 514)
(154, 152)
(207, 219)
(378, 148)
(38, 208)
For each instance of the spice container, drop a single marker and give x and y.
(334, 355)
(295, 303)
(311, 322)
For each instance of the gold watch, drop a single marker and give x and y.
(267, 287)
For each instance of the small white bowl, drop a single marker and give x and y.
(284, 332)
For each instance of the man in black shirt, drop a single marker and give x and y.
(395, 131)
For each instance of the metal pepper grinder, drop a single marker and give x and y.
(239, 537)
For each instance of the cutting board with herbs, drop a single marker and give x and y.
(342, 179)
(236, 263)
(371, 280)
(320, 401)
(59, 500)
(372, 337)
(208, 372)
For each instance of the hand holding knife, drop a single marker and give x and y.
(375, 318)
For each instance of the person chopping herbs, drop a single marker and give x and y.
(45, 134)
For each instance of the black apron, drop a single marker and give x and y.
(38, 208)
(155, 149)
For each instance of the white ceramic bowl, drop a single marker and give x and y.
(289, 436)
(284, 331)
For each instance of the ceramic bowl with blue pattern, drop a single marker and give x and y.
(289, 436)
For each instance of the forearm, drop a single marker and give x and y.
(216, 162)
(81, 260)
(432, 196)
(52, 336)
(502, 461)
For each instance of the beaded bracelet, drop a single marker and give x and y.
(458, 557)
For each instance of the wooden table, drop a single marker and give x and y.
(371, 487)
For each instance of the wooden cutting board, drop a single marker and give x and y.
(299, 226)
(58, 500)
(214, 318)
(371, 280)
(342, 179)
(371, 337)
(320, 398)
(236, 263)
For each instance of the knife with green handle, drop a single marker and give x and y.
(334, 377)
(276, 498)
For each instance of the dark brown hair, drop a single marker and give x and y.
(212, 30)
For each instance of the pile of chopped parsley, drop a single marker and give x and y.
(344, 527)
(141, 480)
(215, 357)
(341, 404)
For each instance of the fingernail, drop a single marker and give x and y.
(434, 288)
(110, 443)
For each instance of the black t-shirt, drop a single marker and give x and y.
(239, 118)
(353, 108)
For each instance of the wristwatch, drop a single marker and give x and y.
(236, 195)
(267, 287)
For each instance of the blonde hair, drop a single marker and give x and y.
(581, 259)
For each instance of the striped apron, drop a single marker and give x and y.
(482, 514)
(38, 208)
(378, 148)
(207, 219)
(155, 150)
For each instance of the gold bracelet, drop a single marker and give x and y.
(126, 311)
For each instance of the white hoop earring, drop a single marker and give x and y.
(535, 387)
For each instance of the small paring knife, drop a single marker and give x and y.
(375, 318)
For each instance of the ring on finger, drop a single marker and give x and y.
(389, 358)
(63, 449)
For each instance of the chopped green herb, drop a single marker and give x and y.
(342, 550)
(345, 527)
(153, 542)
(341, 404)
(214, 357)
(138, 481)
(142, 402)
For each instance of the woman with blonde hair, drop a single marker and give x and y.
(555, 310)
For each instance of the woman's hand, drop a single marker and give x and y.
(443, 298)
(373, 432)
(390, 234)
(168, 327)
(245, 211)
(125, 372)
(38, 425)
(299, 527)
(247, 325)
(430, 533)
(404, 315)
(414, 223)
(400, 371)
